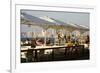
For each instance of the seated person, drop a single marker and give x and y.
(69, 43)
(48, 42)
(33, 43)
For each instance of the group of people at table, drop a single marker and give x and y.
(69, 41)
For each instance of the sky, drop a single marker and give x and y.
(67, 17)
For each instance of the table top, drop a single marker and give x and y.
(25, 48)
(41, 47)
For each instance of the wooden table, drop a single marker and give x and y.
(44, 48)
(40, 48)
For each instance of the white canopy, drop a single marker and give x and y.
(47, 22)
